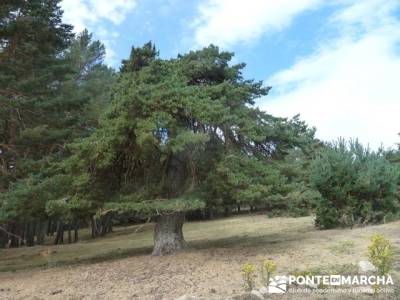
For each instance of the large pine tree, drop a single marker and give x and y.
(174, 130)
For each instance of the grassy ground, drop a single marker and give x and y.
(119, 266)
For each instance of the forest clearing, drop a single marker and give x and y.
(209, 268)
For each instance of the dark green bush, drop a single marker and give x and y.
(327, 216)
(302, 201)
(358, 186)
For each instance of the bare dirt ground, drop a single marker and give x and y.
(210, 267)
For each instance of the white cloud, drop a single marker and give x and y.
(114, 11)
(85, 13)
(350, 86)
(77, 13)
(108, 38)
(226, 22)
(92, 13)
(367, 13)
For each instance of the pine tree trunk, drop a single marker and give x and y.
(50, 228)
(41, 230)
(30, 234)
(24, 234)
(3, 236)
(168, 235)
(76, 228)
(14, 239)
(227, 211)
(69, 234)
(59, 233)
(93, 224)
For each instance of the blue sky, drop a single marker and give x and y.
(336, 62)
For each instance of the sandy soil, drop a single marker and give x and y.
(207, 269)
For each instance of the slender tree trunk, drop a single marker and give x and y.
(14, 239)
(106, 223)
(69, 234)
(93, 224)
(227, 211)
(103, 225)
(50, 228)
(41, 230)
(168, 235)
(110, 226)
(24, 233)
(30, 234)
(76, 228)
(57, 238)
(59, 233)
(3, 236)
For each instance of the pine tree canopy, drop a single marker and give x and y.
(181, 133)
(32, 40)
(52, 85)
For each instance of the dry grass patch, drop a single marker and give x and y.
(209, 267)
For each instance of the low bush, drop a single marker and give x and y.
(249, 275)
(381, 254)
(267, 268)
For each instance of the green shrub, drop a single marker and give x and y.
(357, 186)
(249, 275)
(267, 268)
(301, 201)
(381, 254)
(326, 216)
